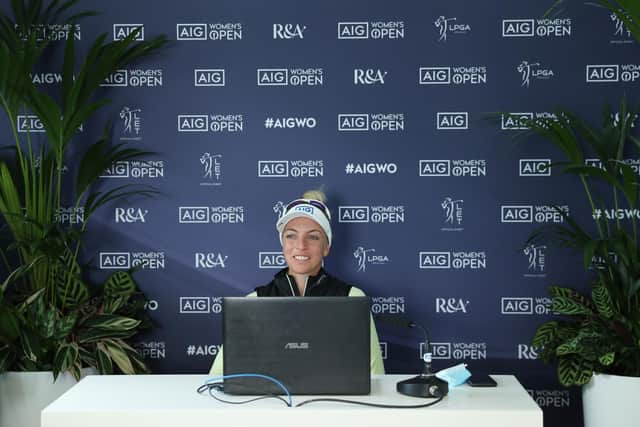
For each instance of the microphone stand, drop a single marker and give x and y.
(426, 384)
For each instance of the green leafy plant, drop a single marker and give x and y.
(50, 316)
(598, 331)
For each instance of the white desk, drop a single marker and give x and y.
(172, 401)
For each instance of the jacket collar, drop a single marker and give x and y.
(284, 283)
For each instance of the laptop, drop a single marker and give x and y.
(312, 345)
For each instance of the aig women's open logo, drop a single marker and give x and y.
(134, 78)
(460, 75)
(560, 27)
(376, 30)
(613, 73)
(200, 305)
(458, 168)
(230, 123)
(126, 260)
(290, 77)
(453, 260)
(149, 169)
(228, 31)
(526, 305)
(372, 214)
(54, 32)
(518, 121)
(540, 214)
(375, 122)
(293, 168)
(456, 350)
(210, 214)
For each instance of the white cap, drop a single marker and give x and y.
(309, 208)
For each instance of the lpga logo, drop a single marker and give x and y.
(445, 27)
(362, 257)
(531, 70)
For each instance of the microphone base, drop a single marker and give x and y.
(423, 386)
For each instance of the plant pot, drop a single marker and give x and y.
(611, 401)
(23, 395)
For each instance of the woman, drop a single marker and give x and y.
(305, 234)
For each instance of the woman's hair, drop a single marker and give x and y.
(315, 195)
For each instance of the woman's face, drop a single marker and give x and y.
(304, 246)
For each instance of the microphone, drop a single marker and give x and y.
(426, 384)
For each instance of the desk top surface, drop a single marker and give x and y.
(177, 393)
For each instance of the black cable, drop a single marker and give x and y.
(375, 405)
(219, 387)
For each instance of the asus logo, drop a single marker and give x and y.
(297, 346)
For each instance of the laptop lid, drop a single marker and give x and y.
(313, 345)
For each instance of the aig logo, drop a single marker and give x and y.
(368, 76)
(603, 73)
(452, 120)
(117, 78)
(29, 123)
(353, 122)
(288, 31)
(435, 260)
(353, 214)
(193, 123)
(271, 260)
(209, 77)
(515, 305)
(515, 121)
(122, 31)
(535, 167)
(115, 260)
(516, 214)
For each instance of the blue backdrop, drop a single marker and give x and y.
(385, 106)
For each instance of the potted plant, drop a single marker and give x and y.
(599, 331)
(51, 317)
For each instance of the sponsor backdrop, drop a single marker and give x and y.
(385, 105)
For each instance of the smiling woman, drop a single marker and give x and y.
(305, 233)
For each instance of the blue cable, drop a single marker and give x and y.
(266, 377)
